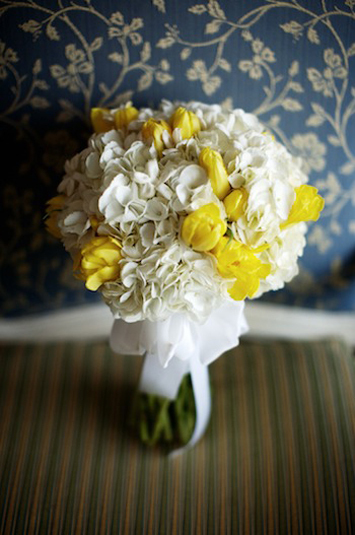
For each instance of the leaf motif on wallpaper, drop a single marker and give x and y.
(225, 65)
(160, 5)
(117, 18)
(315, 120)
(313, 36)
(68, 111)
(213, 26)
(294, 68)
(116, 57)
(274, 121)
(41, 84)
(198, 9)
(165, 42)
(348, 168)
(215, 10)
(32, 26)
(37, 66)
(96, 44)
(121, 98)
(7, 56)
(296, 87)
(334, 140)
(39, 102)
(146, 52)
(185, 53)
(145, 81)
(163, 77)
(293, 27)
(290, 104)
(52, 33)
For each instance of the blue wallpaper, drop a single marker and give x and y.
(290, 62)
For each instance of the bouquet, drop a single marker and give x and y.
(176, 216)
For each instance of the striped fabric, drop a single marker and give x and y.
(278, 456)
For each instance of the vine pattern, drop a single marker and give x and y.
(320, 89)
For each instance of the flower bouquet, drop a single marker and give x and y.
(176, 216)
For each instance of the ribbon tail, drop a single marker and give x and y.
(164, 382)
(202, 395)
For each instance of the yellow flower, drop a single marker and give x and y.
(101, 120)
(213, 164)
(124, 116)
(54, 206)
(187, 121)
(203, 228)
(100, 261)
(307, 206)
(236, 260)
(235, 203)
(94, 222)
(153, 129)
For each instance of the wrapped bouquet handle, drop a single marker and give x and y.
(176, 347)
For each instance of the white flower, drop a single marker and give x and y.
(283, 255)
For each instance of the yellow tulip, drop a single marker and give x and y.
(101, 120)
(100, 261)
(236, 260)
(54, 206)
(235, 203)
(307, 206)
(213, 164)
(94, 222)
(187, 121)
(153, 129)
(124, 116)
(203, 228)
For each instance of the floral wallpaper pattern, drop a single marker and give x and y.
(291, 62)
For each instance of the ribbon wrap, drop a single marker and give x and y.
(177, 346)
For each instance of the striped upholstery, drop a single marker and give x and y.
(277, 457)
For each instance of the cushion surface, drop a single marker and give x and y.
(277, 456)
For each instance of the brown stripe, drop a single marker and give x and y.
(267, 446)
(67, 440)
(83, 480)
(286, 410)
(46, 431)
(320, 518)
(337, 452)
(32, 382)
(10, 393)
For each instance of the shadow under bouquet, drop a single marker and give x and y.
(176, 216)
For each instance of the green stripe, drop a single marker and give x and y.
(277, 456)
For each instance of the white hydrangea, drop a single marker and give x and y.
(119, 186)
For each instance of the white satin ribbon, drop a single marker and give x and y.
(177, 346)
